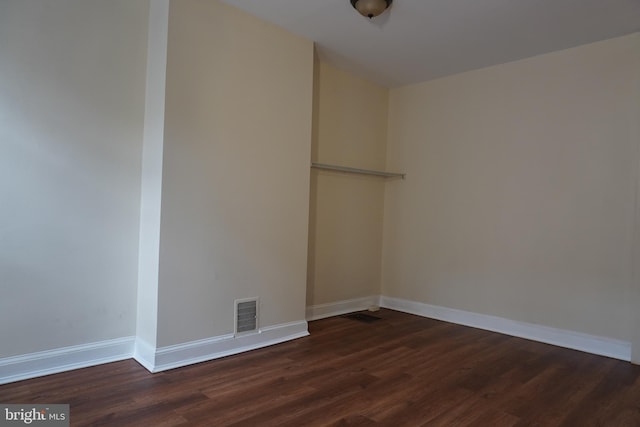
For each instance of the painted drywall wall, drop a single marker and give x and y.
(72, 75)
(235, 191)
(345, 227)
(520, 194)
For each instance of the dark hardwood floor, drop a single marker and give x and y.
(402, 370)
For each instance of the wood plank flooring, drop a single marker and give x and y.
(402, 370)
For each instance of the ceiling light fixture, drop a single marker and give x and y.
(371, 8)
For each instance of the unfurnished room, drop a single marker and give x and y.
(320, 213)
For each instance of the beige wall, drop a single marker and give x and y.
(345, 238)
(235, 191)
(520, 199)
(72, 75)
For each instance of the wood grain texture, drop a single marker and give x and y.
(403, 370)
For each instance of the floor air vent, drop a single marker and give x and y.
(362, 317)
(246, 316)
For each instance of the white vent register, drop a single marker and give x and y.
(246, 314)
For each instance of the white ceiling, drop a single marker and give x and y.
(418, 40)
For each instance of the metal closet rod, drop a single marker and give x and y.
(356, 170)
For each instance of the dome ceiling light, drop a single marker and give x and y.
(371, 8)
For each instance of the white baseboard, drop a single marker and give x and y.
(320, 311)
(48, 362)
(38, 364)
(609, 347)
(176, 356)
(144, 354)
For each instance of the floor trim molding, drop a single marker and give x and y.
(176, 356)
(23, 367)
(63, 359)
(602, 346)
(320, 311)
(144, 354)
